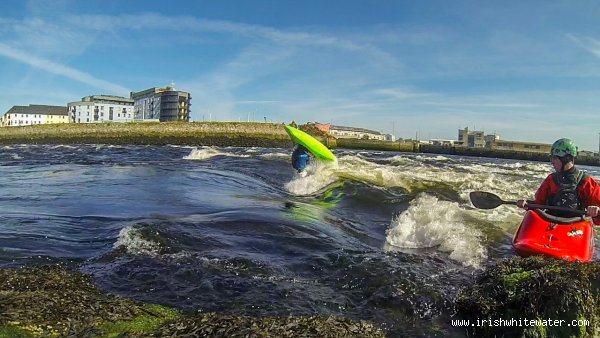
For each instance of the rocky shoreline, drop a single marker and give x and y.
(533, 297)
(58, 301)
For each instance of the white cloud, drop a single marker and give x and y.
(61, 70)
(153, 21)
(590, 44)
(400, 93)
(483, 104)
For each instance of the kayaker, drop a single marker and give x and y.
(567, 186)
(300, 159)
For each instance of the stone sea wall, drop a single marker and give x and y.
(376, 145)
(517, 155)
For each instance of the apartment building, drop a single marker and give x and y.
(161, 104)
(101, 108)
(34, 114)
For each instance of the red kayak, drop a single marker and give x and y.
(571, 239)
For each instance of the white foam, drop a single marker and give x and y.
(59, 146)
(429, 223)
(406, 173)
(410, 175)
(276, 156)
(252, 150)
(208, 152)
(436, 158)
(320, 174)
(418, 173)
(131, 239)
(180, 146)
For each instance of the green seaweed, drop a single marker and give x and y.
(15, 331)
(142, 324)
(534, 288)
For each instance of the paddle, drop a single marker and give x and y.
(487, 200)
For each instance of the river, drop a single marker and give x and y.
(382, 236)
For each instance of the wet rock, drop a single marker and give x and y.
(238, 326)
(53, 301)
(533, 297)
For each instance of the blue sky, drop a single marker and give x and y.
(526, 70)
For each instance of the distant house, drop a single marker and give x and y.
(101, 108)
(161, 104)
(359, 133)
(34, 114)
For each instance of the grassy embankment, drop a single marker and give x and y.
(240, 134)
(194, 134)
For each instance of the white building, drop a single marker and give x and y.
(34, 114)
(471, 138)
(360, 133)
(161, 104)
(101, 108)
(442, 142)
(389, 137)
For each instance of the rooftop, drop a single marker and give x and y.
(155, 90)
(38, 109)
(107, 98)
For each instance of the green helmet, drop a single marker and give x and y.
(563, 147)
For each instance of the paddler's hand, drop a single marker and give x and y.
(522, 204)
(592, 210)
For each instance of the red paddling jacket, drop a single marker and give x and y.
(578, 191)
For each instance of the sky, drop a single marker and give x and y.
(525, 70)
